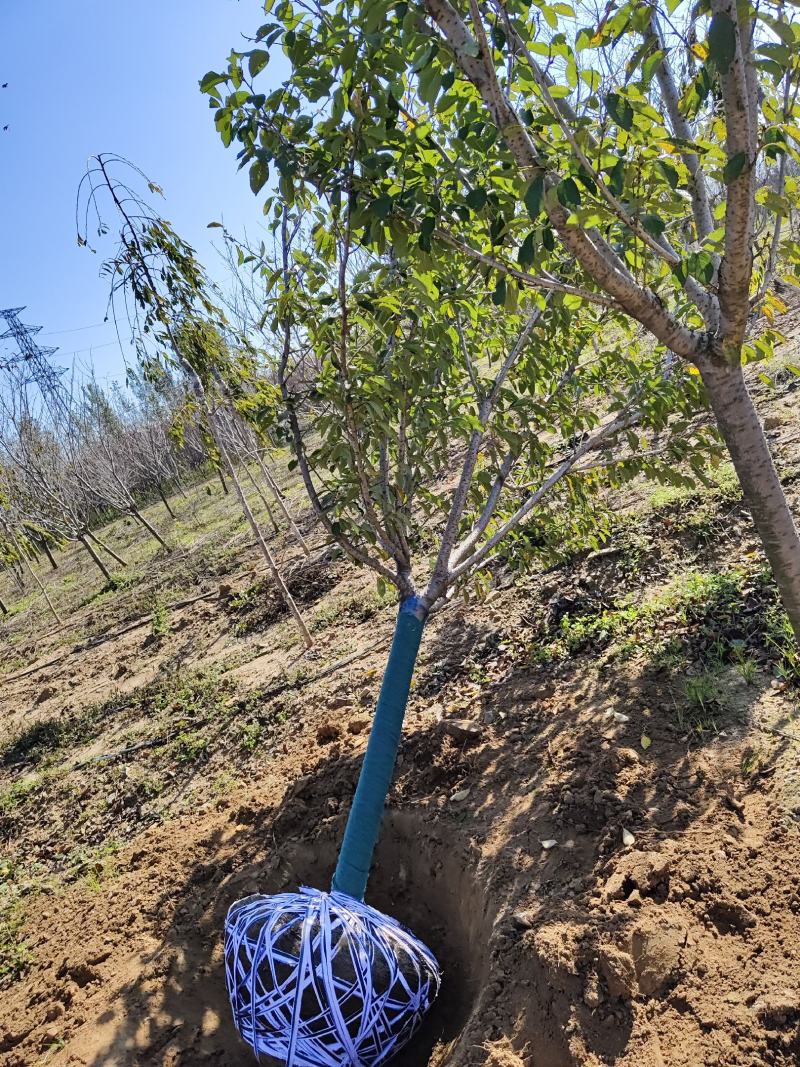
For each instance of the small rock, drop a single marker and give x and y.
(336, 702)
(459, 795)
(488, 716)
(327, 732)
(638, 870)
(773, 1008)
(461, 730)
(358, 725)
(523, 920)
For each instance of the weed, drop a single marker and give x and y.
(94, 865)
(117, 583)
(202, 695)
(782, 644)
(223, 784)
(15, 953)
(160, 619)
(190, 746)
(250, 736)
(702, 692)
(723, 487)
(747, 668)
(16, 795)
(752, 759)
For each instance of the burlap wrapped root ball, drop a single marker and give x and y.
(323, 980)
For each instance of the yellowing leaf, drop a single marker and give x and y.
(700, 51)
(646, 742)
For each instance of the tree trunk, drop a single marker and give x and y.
(222, 479)
(107, 548)
(150, 528)
(288, 599)
(763, 493)
(100, 565)
(264, 500)
(35, 577)
(163, 496)
(281, 504)
(49, 555)
(3, 608)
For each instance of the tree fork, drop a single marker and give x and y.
(107, 548)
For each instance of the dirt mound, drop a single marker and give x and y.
(560, 945)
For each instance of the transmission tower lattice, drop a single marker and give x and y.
(32, 359)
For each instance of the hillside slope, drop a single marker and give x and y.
(594, 821)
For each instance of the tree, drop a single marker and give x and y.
(167, 300)
(407, 380)
(104, 458)
(48, 488)
(619, 161)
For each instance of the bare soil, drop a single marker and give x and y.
(605, 864)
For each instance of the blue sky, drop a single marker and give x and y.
(89, 76)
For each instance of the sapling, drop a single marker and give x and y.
(408, 383)
(172, 306)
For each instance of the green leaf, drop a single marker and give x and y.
(722, 41)
(257, 61)
(533, 196)
(569, 193)
(669, 173)
(616, 178)
(653, 224)
(499, 293)
(259, 174)
(734, 167)
(424, 58)
(620, 111)
(211, 81)
(476, 198)
(526, 253)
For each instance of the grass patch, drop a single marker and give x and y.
(708, 618)
(16, 955)
(723, 486)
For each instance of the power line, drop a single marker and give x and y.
(76, 329)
